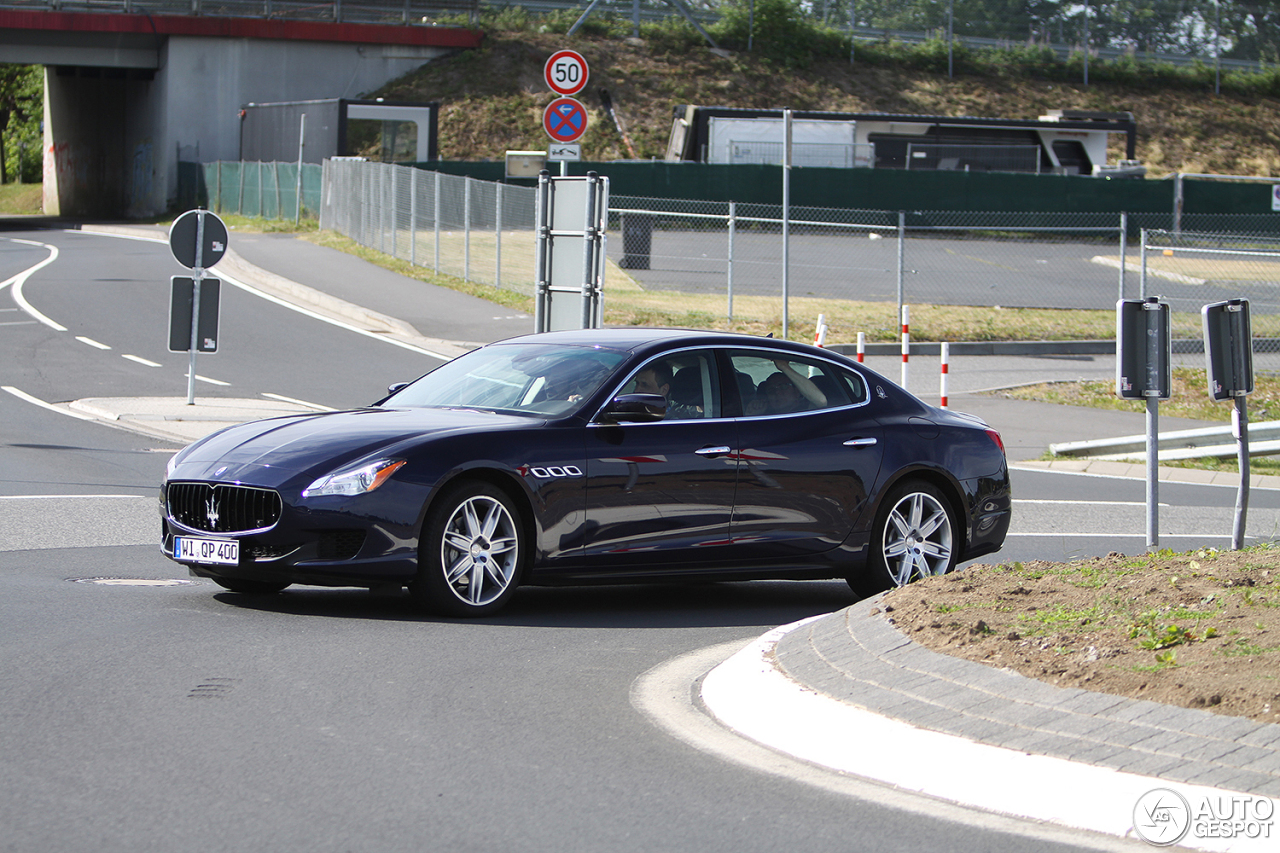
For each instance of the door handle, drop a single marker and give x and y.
(860, 442)
(713, 451)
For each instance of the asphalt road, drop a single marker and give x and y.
(937, 269)
(140, 713)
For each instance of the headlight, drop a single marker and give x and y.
(354, 481)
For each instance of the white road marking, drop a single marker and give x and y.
(91, 342)
(285, 399)
(1130, 479)
(21, 278)
(140, 360)
(63, 497)
(200, 378)
(23, 395)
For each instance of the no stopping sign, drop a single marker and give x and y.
(565, 120)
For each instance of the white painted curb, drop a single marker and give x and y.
(750, 695)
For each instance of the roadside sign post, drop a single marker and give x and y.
(1144, 371)
(1228, 356)
(198, 240)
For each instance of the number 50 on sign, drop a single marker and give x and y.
(566, 72)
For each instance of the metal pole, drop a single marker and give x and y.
(1086, 42)
(1142, 276)
(542, 218)
(950, 35)
(413, 217)
(1124, 239)
(497, 236)
(733, 230)
(196, 275)
(786, 218)
(436, 222)
(902, 239)
(1177, 202)
(466, 230)
(393, 205)
(1153, 472)
(588, 253)
(853, 18)
(1240, 426)
(302, 141)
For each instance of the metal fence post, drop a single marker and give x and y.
(1177, 202)
(466, 229)
(902, 241)
(733, 230)
(497, 235)
(1142, 277)
(436, 223)
(413, 217)
(1124, 239)
(395, 211)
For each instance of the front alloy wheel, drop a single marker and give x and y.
(469, 559)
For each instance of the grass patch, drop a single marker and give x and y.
(21, 199)
(1190, 397)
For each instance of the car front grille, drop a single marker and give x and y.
(220, 508)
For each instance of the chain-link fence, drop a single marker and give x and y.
(266, 190)
(1192, 269)
(476, 230)
(484, 232)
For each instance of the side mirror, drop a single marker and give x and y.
(635, 408)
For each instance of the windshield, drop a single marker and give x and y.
(536, 379)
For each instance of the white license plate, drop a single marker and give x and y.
(223, 551)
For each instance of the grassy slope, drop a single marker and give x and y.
(492, 101)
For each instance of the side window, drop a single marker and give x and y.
(687, 380)
(769, 385)
(856, 385)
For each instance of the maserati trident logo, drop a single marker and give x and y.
(211, 511)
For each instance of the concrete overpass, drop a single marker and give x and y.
(128, 95)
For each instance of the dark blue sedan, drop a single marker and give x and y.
(618, 456)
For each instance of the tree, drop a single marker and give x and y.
(21, 111)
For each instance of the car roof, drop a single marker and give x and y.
(636, 338)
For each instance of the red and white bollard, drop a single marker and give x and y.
(862, 347)
(946, 363)
(818, 336)
(906, 342)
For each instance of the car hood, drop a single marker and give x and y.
(269, 452)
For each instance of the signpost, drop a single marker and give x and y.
(1228, 355)
(1144, 372)
(198, 240)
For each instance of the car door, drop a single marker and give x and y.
(660, 494)
(808, 455)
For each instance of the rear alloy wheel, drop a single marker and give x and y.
(471, 550)
(914, 537)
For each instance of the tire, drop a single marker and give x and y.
(471, 552)
(915, 536)
(250, 587)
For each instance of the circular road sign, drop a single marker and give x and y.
(566, 72)
(182, 239)
(565, 120)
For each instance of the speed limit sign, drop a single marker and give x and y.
(566, 72)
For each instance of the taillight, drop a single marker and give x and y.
(995, 436)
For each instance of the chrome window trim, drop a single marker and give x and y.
(710, 350)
